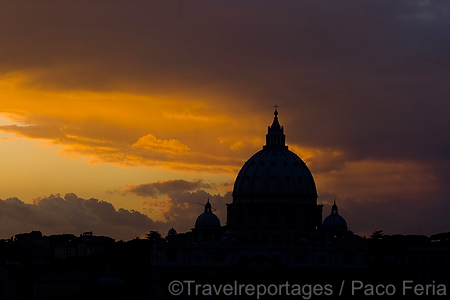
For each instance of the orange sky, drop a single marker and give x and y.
(154, 106)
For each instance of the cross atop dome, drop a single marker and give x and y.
(334, 221)
(275, 136)
(207, 218)
(208, 207)
(334, 209)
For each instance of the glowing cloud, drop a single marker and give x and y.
(150, 142)
(188, 87)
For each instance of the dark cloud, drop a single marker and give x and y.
(326, 160)
(392, 215)
(357, 81)
(184, 208)
(71, 214)
(394, 197)
(362, 77)
(154, 189)
(183, 200)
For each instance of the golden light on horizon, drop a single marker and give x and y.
(163, 91)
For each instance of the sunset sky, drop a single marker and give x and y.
(122, 117)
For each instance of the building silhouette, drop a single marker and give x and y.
(273, 233)
(274, 196)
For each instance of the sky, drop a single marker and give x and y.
(121, 117)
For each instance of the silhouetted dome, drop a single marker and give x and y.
(207, 218)
(274, 170)
(334, 220)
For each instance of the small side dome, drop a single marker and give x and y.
(334, 221)
(207, 219)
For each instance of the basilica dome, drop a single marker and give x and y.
(274, 171)
(207, 219)
(334, 221)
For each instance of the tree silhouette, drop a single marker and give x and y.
(153, 236)
(377, 235)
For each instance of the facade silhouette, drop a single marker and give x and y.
(273, 233)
